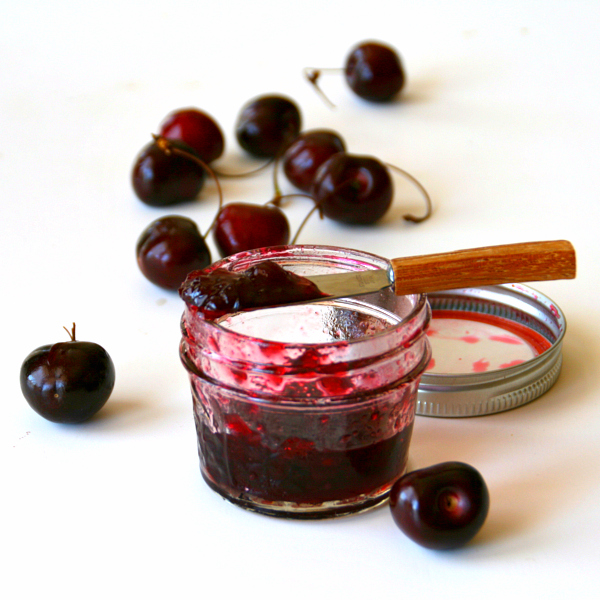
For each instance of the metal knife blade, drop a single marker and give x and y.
(353, 283)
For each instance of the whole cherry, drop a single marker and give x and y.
(353, 189)
(374, 72)
(243, 226)
(197, 129)
(358, 190)
(169, 248)
(267, 124)
(67, 382)
(440, 507)
(163, 178)
(307, 153)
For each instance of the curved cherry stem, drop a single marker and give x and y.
(278, 196)
(168, 148)
(312, 75)
(71, 333)
(276, 201)
(317, 206)
(277, 190)
(305, 221)
(245, 174)
(419, 186)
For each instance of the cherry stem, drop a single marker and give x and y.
(421, 189)
(317, 206)
(168, 148)
(71, 333)
(277, 200)
(277, 190)
(313, 76)
(245, 174)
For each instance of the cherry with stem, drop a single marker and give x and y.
(373, 71)
(172, 246)
(67, 382)
(358, 189)
(237, 226)
(169, 148)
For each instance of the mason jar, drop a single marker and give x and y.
(306, 410)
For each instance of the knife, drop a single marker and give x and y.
(489, 265)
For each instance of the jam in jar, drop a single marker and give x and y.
(306, 410)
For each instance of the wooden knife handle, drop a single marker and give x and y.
(491, 265)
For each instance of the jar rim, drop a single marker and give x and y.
(418, 301)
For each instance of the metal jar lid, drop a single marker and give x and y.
(482, 393)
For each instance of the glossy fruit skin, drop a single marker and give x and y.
(374, 72)
(353, 189)
(307, 153)
(197, 129)
(169, 248)
(440, 507)
(161, 179)
(67, 382)
(267, 124)
(243, 226)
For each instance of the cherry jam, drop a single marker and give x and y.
(218, 292)
(306, 410)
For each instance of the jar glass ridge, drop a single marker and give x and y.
(306, 410)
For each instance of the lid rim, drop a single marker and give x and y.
(490, 392)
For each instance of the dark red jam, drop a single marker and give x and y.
(218, 292)
(296, 470)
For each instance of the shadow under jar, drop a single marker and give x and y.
(306, 410)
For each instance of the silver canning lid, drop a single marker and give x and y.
(474, 394)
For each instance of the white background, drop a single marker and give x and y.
(500, 121)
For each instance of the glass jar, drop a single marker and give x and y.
(306, 410)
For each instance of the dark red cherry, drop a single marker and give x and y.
(243, 226)
(67, 382)
(307, 153)
(267, 124)
(374, 71)
(169, 248)
(197, 129)
(440, 507)
(353, 189)
(162, 178)
(217, 292)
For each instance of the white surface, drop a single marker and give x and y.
(500, 122)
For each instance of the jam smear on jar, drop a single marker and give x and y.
(215, 293)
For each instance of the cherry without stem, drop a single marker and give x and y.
(353, 189)
(162, 178)
(374, 72)
(169, 248)
(307, 153)
(197, 129)
(67, 382)
(267, 124)
(243, 226)
(440, 507)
